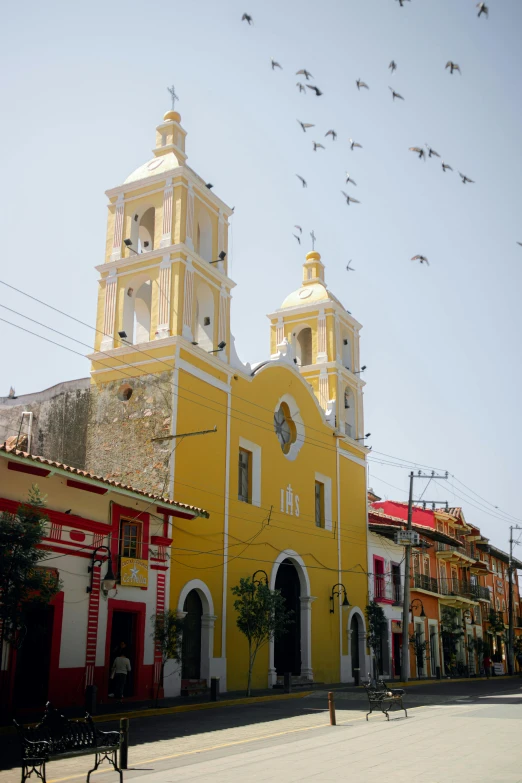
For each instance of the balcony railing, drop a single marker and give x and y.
(385, 589)
(424, 582)
(463, 588)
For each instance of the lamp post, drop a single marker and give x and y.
(415, 604)
(260, 581)
(109, 580)
(340, 591)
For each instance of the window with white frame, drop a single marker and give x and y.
(249, 472)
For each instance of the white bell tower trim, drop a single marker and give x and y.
(166, 236)
(222, 325)
(221, 231)
(280, 331)
(110, 312)
(164, 298)
(118, 229)
(189, 233)
(323, 388)
(322, 355)
(188, 301)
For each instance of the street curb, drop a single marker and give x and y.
(411, 683)
(107, 717)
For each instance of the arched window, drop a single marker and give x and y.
(349, 412)
(204, 317)
(137, 311)
(304, 347)
(346, 350)
(146, 231)
(204, 235)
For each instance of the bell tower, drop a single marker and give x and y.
(165, 273)
(323, 338)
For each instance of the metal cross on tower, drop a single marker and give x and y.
(314, 238)
(173, 96)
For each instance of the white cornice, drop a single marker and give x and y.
(334, 367)
(320, 307)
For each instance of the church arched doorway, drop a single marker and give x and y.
(287, 648)
(191, 642)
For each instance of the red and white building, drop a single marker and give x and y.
(71, 643)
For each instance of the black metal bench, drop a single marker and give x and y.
(381, 696)
(56, 737)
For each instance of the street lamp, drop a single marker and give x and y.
(415, 604)
(260, 581)
(109, 580)
(339, 592)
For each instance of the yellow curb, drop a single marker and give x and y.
(107, 717)
(411, 683)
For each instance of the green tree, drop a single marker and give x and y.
(21, 579)
(261, 616)
(167, 631)
(451, 632)
(376, 622)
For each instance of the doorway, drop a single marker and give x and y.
(287, 648)
(397, 654)
(354, 644)
(123, 639)
(33, 658)
(191, 642)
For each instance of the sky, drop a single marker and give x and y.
(84, 86)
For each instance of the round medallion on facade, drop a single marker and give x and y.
(304, 293)
(288, 426)
(154, 164)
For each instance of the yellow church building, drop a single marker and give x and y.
(274, 452)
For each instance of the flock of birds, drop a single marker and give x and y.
(423, 152)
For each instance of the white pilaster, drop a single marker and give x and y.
(207, 645)
(118, 229)
(166, 235)
(188, 301)
(338, 346)
(189, 233)
(110, 312)
(221, 232)
(322, 355)
(164, 284)
(280, 331)
(306, 637)
(323, 389)
(222, 324)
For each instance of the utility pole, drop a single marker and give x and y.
(405, 663)
(511, 631)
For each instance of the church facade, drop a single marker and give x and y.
(274, 452)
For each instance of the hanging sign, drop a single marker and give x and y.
(134, 572)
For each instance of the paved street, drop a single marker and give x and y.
(455, 731)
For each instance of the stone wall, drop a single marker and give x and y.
(120, 430)
(59, 426)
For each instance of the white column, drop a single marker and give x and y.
(221, 232)
(118, 229)
(322, 355)
(110, 312)
(306, 637)
(338, 346)
(189, 239)
(188, 301)
(166, 234)
(164, 298)
(280, 331)
(207, 645)
(222, 324)
(323, 388)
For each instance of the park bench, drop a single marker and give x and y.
(56, 737)
(193, 687)
(384, 698)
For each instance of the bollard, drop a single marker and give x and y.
(214, 689)
(124, 747)
(331, 708)
(90, 699)
(287, 682)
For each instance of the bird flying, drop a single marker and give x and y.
(483, 9)
(395, 94)
(519, 243)
(247, 18)
(331, 133)
(360, 84)
(302, 180)
(305, 73)
(401, 3)
(350, 268)
(315, 89)
(446, 166)
(317, 146)
(466, 179)
(453, 67)
(298, 238)
(301, 87)
(275, 65)
(349, 179)
(419, 151)
(392, 66)
(422, 259)
(354, 144)
(431, 151)
(299, 229)
(349, 198)
(305, 125)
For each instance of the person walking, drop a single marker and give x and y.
(120, 668)
(487, 666)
